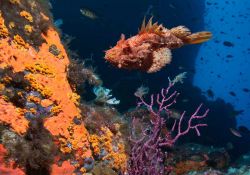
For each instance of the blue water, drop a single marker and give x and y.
(226, 69)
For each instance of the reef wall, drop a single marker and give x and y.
(41, 125)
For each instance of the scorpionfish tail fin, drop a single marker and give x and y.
(187, 37)
(197, 38)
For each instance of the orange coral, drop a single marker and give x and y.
(10, 115)
(41, 68)
(65, 169)
(45, 74)
(37, 86)
(20, 42)
(28, 28)
(15, 1)
(94, 140)
(8, 169)
(3, 29)
(34, 99)
(12, 24)
(116, 155)
(149, 50)
(26, 15)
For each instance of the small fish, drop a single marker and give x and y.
(141, 91)
(228, 44)
(246, 90)
(58, 23)
(210, 93)
(229, 56)
(172, 6)
(88, 13)
(232, 93)
(175, 114)
(185, 100)
(235, 132)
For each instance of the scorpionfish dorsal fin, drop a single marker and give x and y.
(151, 27)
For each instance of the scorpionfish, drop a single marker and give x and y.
(150, 49)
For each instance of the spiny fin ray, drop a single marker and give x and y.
(150, 27)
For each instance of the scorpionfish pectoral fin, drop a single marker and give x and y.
(197, 38)
(160, 58)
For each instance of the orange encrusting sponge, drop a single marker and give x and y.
(8, 169)
(46, 75)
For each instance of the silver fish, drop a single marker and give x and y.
(235, 132)
(88, 13)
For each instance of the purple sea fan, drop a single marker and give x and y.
(147, 152)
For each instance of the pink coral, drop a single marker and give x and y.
(147, 153)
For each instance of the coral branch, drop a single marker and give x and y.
(147, 155)
(190, 126)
